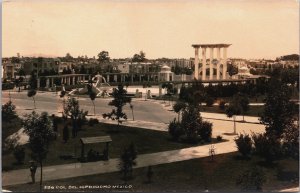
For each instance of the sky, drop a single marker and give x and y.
(255, 28)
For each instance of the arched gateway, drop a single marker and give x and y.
(214, 68)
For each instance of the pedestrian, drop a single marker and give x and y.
(33, 168)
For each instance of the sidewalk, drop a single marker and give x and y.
(22, 176)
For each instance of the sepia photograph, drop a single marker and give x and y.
(150, 96)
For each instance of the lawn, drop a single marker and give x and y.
(146, 141)
(192, 175)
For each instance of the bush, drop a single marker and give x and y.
(175, 129)
(222, 105)
(252, 179)
(290, 141)
(244, 144)
(8, 86)
(267, 147)
(209, 101)
(205, 131)
(219, 138)
(8, 111)
(93, 121)
(19, 153)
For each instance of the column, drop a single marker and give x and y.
(83, 78)
(224, 62)
(203, 63)
(69, 80)
(196, 63)
(52, 82)
(47, 83)
(38, 83)
(131, 78)
(159, 90)
(211, 71)
(219, 62)
(73, 81)
(107, 78)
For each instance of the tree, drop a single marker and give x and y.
(120, 100)
(191, 122)
(82, 70)
(93, 95)
(178, 107)
(244, 102)
(66, 133)
(8, 111)
(71, 109)
(32, 93)
(103, 57)
(290, 141)
(131, 107)
(33, 80)
(232, 70)
(141, 57)
(127, 161)
(244, 144)
(68, 57)
(39, 129)
(233, 109)
(175, 129)
(279, 112)
(267, 146)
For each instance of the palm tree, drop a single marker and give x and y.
(32, 93)
(93, 97)
(131, 107)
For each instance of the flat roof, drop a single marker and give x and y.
(210, 45)
(99, 139)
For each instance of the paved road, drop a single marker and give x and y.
(52, 103)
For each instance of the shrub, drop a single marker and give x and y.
(8, 111)
(244, 144)
(175, 129)
(290, 141)
(252, 179)
(219, 138)
(19, 153)
(209, 101)
(8, 86)
(93, 121)
(127, 161)
(267, 147)
(222, 105)
(205, 131)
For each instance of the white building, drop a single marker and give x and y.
(165, 74)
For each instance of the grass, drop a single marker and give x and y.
(192, 175)
(146, 141)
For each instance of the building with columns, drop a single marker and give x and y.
(213, 68)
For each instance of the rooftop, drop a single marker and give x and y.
(210, 45)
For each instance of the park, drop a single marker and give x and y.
(146, 139)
